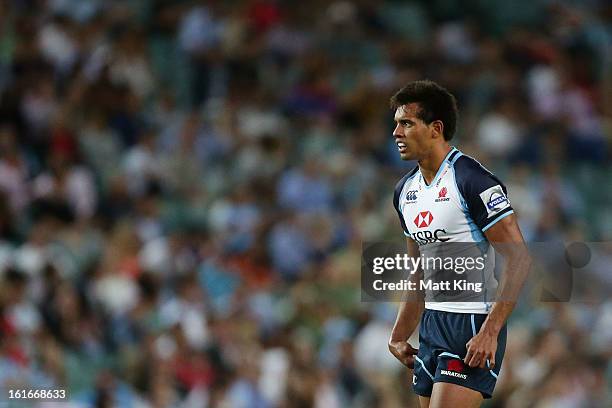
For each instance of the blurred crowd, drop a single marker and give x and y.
(185, 187)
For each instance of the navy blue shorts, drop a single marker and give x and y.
(442, 340)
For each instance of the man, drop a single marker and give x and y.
(449, 197)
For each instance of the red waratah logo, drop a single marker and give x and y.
(442, 195)
(424, 219)
(455, 365)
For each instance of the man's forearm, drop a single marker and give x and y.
(407, 320)
(516, 271)
(412, 307)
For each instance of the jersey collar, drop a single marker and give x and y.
(439, 172)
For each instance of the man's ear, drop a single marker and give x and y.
(438, 128)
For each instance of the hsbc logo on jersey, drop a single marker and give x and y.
(429, 237)
(423, 220)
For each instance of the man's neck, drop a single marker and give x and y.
(430, 165)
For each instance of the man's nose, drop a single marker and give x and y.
(396, 131)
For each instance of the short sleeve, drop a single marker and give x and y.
(484, 194)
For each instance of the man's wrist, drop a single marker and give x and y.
(399, 336)
(491, 327)
(497, 318)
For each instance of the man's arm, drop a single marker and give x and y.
(506, 238)
(408, 316)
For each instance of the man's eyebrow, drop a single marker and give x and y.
(400, 119)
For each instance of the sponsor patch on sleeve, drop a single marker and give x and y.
(494, 200)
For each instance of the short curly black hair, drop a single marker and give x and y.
(435, 102)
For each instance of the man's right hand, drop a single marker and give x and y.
(403, 351)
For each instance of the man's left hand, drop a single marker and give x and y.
(480, 348)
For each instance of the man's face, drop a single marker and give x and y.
(413, 137)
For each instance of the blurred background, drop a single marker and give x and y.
(185, 187)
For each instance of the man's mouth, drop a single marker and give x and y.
(401, 146)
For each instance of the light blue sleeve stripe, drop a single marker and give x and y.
(423, 365)
(501, 217)
(449, 355)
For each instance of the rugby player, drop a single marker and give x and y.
(450, 197)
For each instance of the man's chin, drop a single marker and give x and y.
(406, 156)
